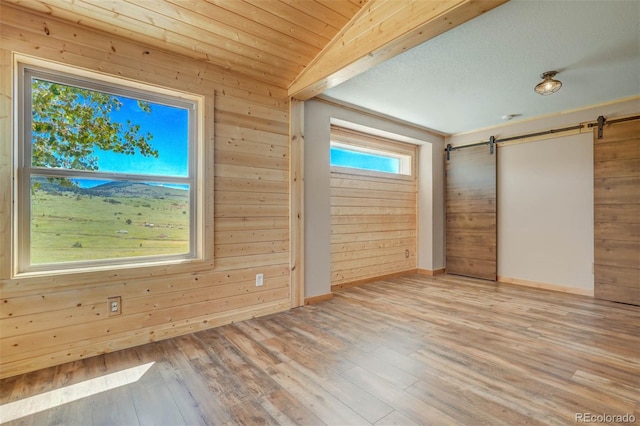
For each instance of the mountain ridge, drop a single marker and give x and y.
(111, 189)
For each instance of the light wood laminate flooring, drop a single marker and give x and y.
(411, 350)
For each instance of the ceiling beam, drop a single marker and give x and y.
(381, 30)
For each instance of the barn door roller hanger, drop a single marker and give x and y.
(491, 142)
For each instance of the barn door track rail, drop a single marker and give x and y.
(599, 123)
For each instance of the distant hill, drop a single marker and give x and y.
(113, 189)
(135, 189)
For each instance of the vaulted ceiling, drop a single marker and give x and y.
(409, 59)
(306, 46)
(442, 64)
(272, 40)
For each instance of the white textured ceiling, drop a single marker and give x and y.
(472, 75)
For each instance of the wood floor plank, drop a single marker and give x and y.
(447, 397)
(359, 400)
(394, 375)
(289, 410)
(326, 406)
(254, 380)
(103, 412)
(192, 411)
(200, 397)
(395, 419)
(252, 413)
(407, 404)
(409, 350)
(153, 401)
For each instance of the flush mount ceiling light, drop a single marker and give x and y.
(508, 117)
(548, 85)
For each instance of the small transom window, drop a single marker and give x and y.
(360, 153)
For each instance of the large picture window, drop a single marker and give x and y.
(107, 173)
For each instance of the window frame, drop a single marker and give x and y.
(24, 171)
(362, 142)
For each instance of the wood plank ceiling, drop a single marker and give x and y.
(305, 46)
(270, 40)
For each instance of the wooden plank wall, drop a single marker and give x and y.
(617, 213)
(373, 224)
(46, 321)
(471, 213)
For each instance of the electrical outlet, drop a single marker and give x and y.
(406, 254)
(259, 280)
(114, 305)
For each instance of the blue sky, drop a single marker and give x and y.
(169, 127)
(362, 160)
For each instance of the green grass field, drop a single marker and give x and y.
(68, 227)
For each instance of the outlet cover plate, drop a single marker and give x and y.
(114, 305)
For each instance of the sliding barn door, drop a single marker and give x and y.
(471, 213)
(617, 212)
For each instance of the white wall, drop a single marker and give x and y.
(317, 200)
(545, 199)
(317, 132)
(431, 207)
(545, 211)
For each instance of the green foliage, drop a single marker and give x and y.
(70, 123)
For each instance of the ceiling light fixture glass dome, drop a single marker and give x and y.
(548, 85)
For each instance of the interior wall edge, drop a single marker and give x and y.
(357, 283)
(431, 273)
(318, 299)
(546, 286)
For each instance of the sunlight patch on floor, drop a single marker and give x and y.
(37, 403)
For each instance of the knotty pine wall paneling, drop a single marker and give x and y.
(373, 224)
(49, 320)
